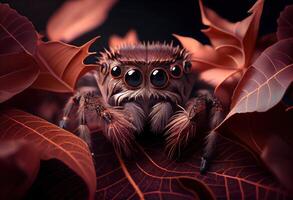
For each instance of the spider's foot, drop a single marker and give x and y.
(62, 124)
(203, 165)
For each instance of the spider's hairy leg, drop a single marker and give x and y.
(118, 124)
(216, 116)
(78, 100)
(83, 129)
(183, 126)
(159, 116)
(68, 108)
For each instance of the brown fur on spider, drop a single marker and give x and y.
(148, 84)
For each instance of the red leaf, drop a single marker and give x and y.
(51, 142)
(263, 133)
(263, 43)
(233, 39)
(17, 34)
(262, 88)
(277, 156)
(77, 17)
(232, 45)
(17, 72)
(233, 174)
(225, 90)
(17, 174)
(130, 38)
(61, 65)
(285, 23)
(17, 45)
(266, 81)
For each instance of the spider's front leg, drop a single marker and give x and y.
(118, 124)
(200, 113)
(216, 116)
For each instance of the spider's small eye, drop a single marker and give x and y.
(175, 71)
(133, 78)
(116, 71)
(187, 67)
(159, 77)
(104, 68)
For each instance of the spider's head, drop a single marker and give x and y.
(151, 72)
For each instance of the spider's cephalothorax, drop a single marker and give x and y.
(150, 84)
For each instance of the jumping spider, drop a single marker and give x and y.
(148, 84)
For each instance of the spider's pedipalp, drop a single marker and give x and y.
(184, 125)
(137, 114)
(159, 116)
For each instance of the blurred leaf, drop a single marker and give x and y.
(50, 142)
(233, 174)
(75, 18)
(285, 23)
(18, 41)
(130, 38)
(16, 173)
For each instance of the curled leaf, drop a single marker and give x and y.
(51, 142)
(61, 65)
(77, 17)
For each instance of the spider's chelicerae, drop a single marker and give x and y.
(150, 84)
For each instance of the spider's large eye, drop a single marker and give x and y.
(175, 71)
(116, 71)
(187, 67)
(159, 77)
(133, 78)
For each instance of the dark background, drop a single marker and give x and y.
(153, 20)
